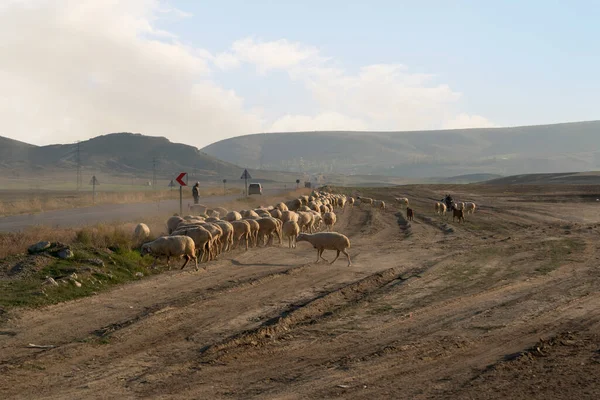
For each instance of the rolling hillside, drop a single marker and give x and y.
(444, 153)
(117, 155)
(568, 178)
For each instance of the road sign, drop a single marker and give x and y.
(171, 184)
(224, 180)
(246, 175)
(179, 179)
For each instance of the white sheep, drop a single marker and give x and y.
(232, 216)
(198, 208)
(202, 240)
(254, 228)
(289, 216)
(268, 227)
(365, 200)
(305, 221)
(329, 219)
(275, 213)
(173, 222)
(290, 230)
(380, 204)
(281, 206)
(172, 246)
(403, 201)
(227, 241)
(470, 208)
(140, 233)
(327, 241)
(222, 211)
(241, 229)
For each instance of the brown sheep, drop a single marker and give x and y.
(458, 213)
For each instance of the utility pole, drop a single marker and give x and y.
(94, 182)
(154, 164)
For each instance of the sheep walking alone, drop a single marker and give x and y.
(327, 241)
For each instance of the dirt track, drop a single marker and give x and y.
(105, 213)
(430, 309)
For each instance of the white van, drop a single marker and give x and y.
(254, 188)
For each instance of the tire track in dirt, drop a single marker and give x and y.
(310, 311)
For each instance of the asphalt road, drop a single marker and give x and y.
(106, 213)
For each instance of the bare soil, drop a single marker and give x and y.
(506, 305)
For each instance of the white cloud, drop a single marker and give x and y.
(328, 121)
(463, 121)
(73, 69)
(378, 96)
(279, 54)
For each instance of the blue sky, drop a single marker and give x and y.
(199, 71)
(516, 62)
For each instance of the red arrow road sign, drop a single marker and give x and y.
(179, 179)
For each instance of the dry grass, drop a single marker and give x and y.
(27, 202)
(116, 234)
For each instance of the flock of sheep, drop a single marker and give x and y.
(210, 232)
(458, 210)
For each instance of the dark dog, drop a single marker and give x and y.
(409, 214)
(458, 213)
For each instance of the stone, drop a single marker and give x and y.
(65, 254)
(139, 274)
(95, 261)
(38, 247)
(76, 283)
(50, 281)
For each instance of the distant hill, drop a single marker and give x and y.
(567, 178)
(116, 154)
(420, 154)
(462, 179)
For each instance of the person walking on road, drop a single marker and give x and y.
(196, 192)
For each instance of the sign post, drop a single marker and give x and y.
(245, 177)
(179, 180)
(297, 183)
(94, 182)
(224, 187)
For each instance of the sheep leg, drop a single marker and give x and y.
(336, 257)
(347, 256)
(321, 255)
(168, 263)
(187, 258)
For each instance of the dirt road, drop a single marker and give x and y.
(105, 213)
(429, 309)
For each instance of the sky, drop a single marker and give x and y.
(200, 71)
